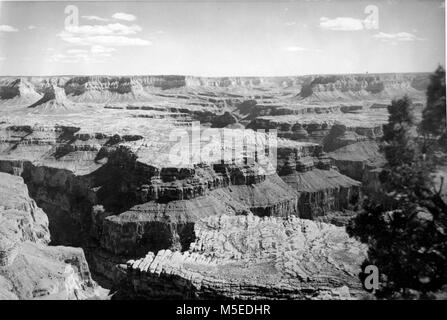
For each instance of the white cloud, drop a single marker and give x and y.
(6, 28)
(100, 49)
(94, 18)
(396, 37)
(107, 40)
(295, 49)
(109, 35)
(124, 16)
(78, 56)
(291, 23)
(2, 58)
(32, 27)
(109, 29)
(76, 51)
(300, 49)
(58, 56)
(342, 24)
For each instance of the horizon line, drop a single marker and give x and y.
(225, 76)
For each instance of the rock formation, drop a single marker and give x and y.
(251, 257)
(29, 268)
(122, 170)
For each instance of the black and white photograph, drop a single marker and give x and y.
(238, 151)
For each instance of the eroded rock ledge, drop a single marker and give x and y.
(252, 257)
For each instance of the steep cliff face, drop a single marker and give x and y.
(355, 154)
(77, 86)
(361, 87)
(323, 191)
(104, 89)
(168, 222)
(339, 137)
(357, 159)
(17, 92)
(316, 127)
(54, 100)
(21, 219)
(65, 198)
(118, 89)
(247, 256)
(29, 268)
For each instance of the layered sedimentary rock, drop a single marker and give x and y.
(29, 268)
(251, 257)
(18, 92)
(264, 90)
(316, 127)
(339, 136)
(157, 224)
(122, 168)
(361, 87)
(71, 168)
(357, 159)
(357, 156)
(323, 191)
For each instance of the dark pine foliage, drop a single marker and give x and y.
(405, 225)
(434, 115)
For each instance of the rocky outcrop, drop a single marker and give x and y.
(43, 272)
(29, 268)
(21, 219)
(362, 87)
(65, 197)
(339, 137)
(153, 226)
(251, 257)
(317, 128)
(17, 92)
(157, 225)
(323, 191)
(356, 159)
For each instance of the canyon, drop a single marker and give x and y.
(190, 187)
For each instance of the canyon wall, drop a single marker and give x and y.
(98, 155)
(97, 89)
(29, 268)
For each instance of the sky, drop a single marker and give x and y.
(217, 38)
